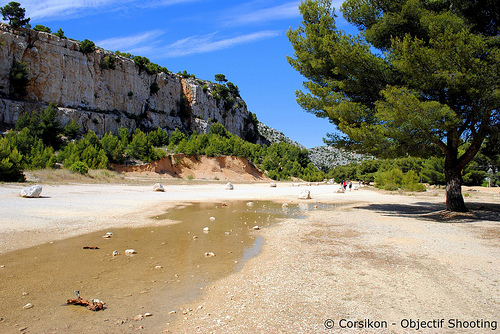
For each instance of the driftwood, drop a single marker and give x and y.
(93, 305)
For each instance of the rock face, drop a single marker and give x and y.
(103, 100)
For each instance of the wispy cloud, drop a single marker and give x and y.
(147, 44)
(128, 42)
(210, 43)
(284, 11)
(57, 9)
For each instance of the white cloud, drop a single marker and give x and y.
(209, 43)
(147, 44)
(57, 9)
(284, 11)
(126, 43)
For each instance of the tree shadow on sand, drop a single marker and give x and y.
(436, 212)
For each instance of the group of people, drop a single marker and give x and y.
(345, 184)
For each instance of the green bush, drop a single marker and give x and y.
(60, 33)
(153, 89)
(10, 162)
(87, 46)
(42, 28)
(18, 76)
(79, 167)
(108, 63)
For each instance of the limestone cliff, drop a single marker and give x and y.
(103, 100)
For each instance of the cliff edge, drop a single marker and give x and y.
(104, 99)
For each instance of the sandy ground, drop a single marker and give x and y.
(377, 259)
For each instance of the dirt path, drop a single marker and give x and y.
(388, 260)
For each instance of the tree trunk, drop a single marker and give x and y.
(454, 199)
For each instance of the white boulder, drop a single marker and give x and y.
(305, 194)
(158, 187)
(31, 192)
(229, 186)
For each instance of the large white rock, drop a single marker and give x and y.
(305, 194)
(158, 187)
(31, 192)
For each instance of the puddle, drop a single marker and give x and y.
(169, 269)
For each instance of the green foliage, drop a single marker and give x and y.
(79, 167)
(124, 54)
(14, 14)
(18, 76)
(220, 78)
(158, 138)
(233, 89)
(10, 162)
(145, 64)
(218, 129)
(153, 88)
(87, 46)
(185, 74)
(60, 33)
(72, 130)
(42, 124)
(421, 78)
(42, 28)
(108, 63)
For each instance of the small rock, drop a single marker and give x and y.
(115, 253)
(28, 306)
(130, 252)
(250, 204)
(272, 184)
(148, 315)
(229, 186)
(2, 266)
(138, 317)
(172, 312)
(206, 229)
(31, 192)
(195, 237)
(285, 205)
(209, 254)
(109, 233)
(158, 187)
(256, 227)
(212, 219)
(158, 267)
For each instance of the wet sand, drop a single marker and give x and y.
(383, 257)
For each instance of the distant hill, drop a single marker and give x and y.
(329, 156)
(270, 136)
(326, 156)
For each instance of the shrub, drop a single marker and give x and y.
(42, 28)
(153, 89)
(108, 63)
(18, 76)
(79, 167)
(60, 33)
(87, 46)
(10, 162)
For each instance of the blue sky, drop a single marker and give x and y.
(244, 40)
